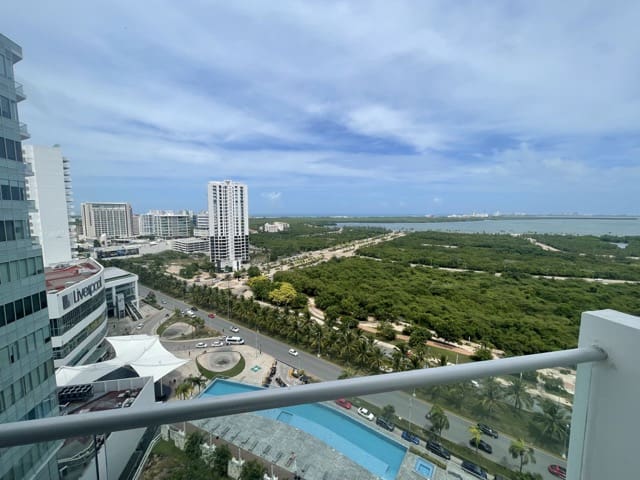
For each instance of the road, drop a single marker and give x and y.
(407, 407)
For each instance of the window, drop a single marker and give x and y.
(10, 313)
(11, 148)
(9, 229)
(19, 229)
(19, 309)
(5, 108)
(5, 192)
(3, 150)
(28, 308)
(3, 68)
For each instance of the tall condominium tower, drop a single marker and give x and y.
(228, 224)
(114, 220)
(27, 381)
(50, 189)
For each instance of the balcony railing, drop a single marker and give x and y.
(20, 96)
(603, 428)
(24, 131)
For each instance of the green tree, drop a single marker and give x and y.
(183, 390)
(419, 337)
(518, 391)
(553, 420)
(491, 395)
(221, 457)
(260, 286)
(482, 353)
(283, 294)
(252, 470)
(476, 435)
(388, 411)
(386, 331)
(192, 446)
(522, 451)
(253, 271)
(439, 420)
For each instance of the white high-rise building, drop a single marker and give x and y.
(163, 224)
(113, 219)
(228, 224)
(201, 224)
(50, 189)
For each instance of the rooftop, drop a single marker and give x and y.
(65, 275)
(115, 272)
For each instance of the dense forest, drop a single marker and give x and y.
(305, 237)
(513, 312)
(580, 256)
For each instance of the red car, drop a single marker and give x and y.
(212, 315)
(344, 403)
(558, 471)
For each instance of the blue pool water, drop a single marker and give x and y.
(424, 468)
(368, 448)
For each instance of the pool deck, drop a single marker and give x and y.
(284, 446)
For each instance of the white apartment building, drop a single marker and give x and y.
(201, 225)
(228, 224)
(275, 227)
(50, 188)
(166, 224)
(114, 219)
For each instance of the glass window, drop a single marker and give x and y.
(3, 68)
(3, 150)
(31, 266)
(11, 149)
(9, 229)
(22, 268)
(5, 108)
(19, 306)
(18, 145)
(3, 236)
(5, 192)
(28, 308)
(15, 193)
(19, 229)
(43, 299)
(10, 313)
(3, 320)
(35, 301)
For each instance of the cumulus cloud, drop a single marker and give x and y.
(385, 97)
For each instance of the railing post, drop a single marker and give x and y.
(604, 425)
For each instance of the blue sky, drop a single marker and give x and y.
(339, 107)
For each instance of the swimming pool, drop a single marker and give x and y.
(368, 448)
(424, 468)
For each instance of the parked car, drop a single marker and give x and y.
(386, 424)
(212, 315)
(363, 412)
(410, 437)
(140, 325)
(293, 351)
(163, 302)
(481, 445)
(344, 403)
(438, 449)
(217, 343)
(194, 309)
(487, 430)
(474, 469)
(201, 345)
(235, 329)
(558, 471)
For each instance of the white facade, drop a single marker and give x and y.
(228, 224)
(164, 225)
(191, 245)
(201, 225)
(121, 289)
(114, 219)
(275, 227)
(77, 310)
(50, 189)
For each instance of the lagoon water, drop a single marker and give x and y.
(570, 226)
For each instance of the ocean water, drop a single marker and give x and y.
(569, 226)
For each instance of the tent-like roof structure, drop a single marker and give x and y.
(144, 353)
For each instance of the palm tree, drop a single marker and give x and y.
(552, 420)
(438, 419)
(492, 393)
(376, 359)
(460, 391)
(518, 390)
(183, 390)
(196, 382)
(519, 449)
(476, 435)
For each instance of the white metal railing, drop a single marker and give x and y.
(54, 428)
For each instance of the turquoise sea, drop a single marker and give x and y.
(562, 225)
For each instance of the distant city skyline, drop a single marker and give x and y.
(340, 108)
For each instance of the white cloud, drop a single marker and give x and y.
(272, 196)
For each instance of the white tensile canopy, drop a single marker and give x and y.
(144, 353)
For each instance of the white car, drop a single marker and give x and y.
(217, 343)
(201, 345)
(363, 412)
(293, 352)
(140, 325)
(235, 329)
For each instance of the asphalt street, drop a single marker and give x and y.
(405, 405)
